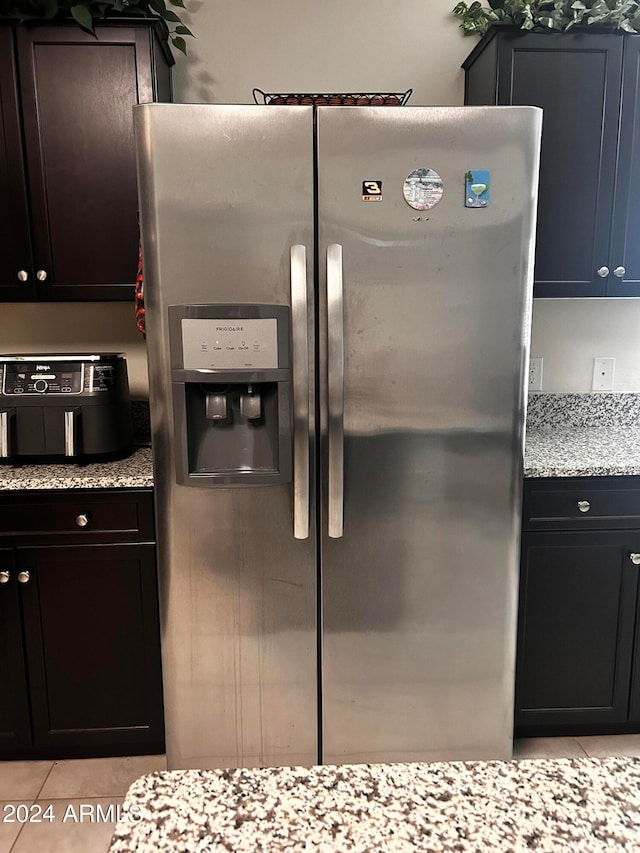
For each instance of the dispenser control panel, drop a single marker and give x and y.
(230, 344)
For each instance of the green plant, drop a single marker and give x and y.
(87, 12)
(546, 15)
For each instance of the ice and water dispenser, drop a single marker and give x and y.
(231, 385)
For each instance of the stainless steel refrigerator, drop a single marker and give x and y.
(338, 313)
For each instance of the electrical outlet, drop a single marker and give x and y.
(535, 374)
(603, 374)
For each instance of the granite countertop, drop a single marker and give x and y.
(568, 435)
(582, 452)
(134, 471)
(540, 805)
(582, 435)
(566, 452)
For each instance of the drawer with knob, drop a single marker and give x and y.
(124, 515)
(585, 503)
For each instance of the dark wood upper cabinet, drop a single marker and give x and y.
(588, 212)
(16, 268)
(76, 94)
(625, 234)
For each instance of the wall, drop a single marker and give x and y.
(299, 45)
(570, 333)
(333, 45)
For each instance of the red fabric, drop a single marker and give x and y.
(140, 296)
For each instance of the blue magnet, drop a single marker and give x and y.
(477, 188)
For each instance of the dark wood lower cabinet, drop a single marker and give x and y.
(91, 639)
(578, 660)
(15, 732)
(80, 670)
(576, 628)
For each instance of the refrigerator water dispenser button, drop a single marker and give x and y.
(216, 406)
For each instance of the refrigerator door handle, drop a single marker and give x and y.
(335, 387)
(300, 353)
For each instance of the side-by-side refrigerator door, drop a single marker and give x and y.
(426, 235)
(226, 199)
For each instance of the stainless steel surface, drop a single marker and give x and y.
(23, 576)
(300, 357)
(23, 275)
(41, 275)
(584, 506)
(225, 191)
(5, 577)
(619, 272)
(635, 559)
(419, 595)
(430, 326)
(603, 272)
(69, 434)
(335, 392)
(82, 520)
(5, 449)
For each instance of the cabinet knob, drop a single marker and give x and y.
(635, 559)
(584, 506)
(619, 272)
(41, 275)
(23, 577)
(603, 272)
(82, 520)
(4, 577)
(23, 275)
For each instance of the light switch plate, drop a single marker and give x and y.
(535, 374)
(603, 369)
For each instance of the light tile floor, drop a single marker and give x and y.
(66, 785)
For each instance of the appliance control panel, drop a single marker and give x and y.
(212, 343)
(53, 378)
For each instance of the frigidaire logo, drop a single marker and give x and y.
(229, 328)
(43, 367)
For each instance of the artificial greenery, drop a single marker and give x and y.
(88, 12)
(549, 15)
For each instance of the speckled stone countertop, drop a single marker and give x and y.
(135, 471)
(568, 435)
(586, 452)
(583, 435)
(541, 805)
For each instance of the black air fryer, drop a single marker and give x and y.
(61, 407)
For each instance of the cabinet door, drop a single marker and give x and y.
(575, 630)
(77, 97)
(15, 729)
(625, 239)
(93, 648)
(15, 248)
(576, 79)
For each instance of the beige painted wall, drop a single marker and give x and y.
(570, 333)
(296, 45)
(333, 45)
